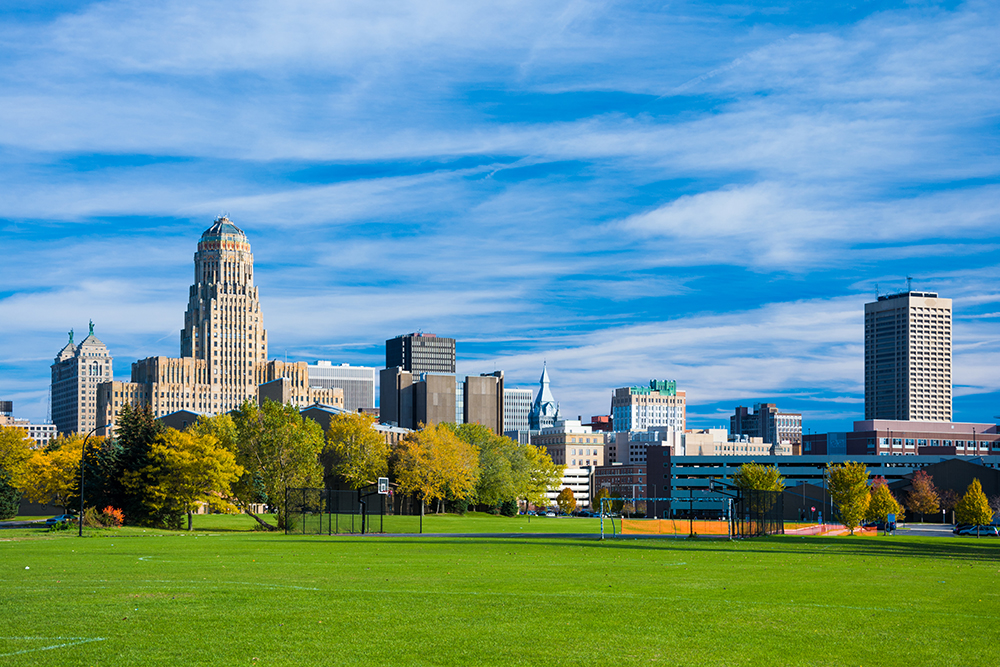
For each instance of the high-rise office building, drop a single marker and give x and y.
(76, 373)
(516, 408)
(908, 357)
(421, 353)
(639, 408)
(767, 422)
(358, 382)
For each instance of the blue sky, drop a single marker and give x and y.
(704, 192)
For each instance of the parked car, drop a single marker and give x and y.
(980, 531)
(59, 519)
(550, 513)
(961, 526)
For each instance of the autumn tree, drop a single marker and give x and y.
(566, 500)
(186, 469)
(881, 502)
(849, 489)
(52, 475)
(923, 498)
(434, 464)
(358, 453)
(601, 494)
(973, 507)
(15, 452)
(277, 449)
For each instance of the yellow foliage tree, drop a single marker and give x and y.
(360, 453)
(882, 503)
(536, 474)
(435, 464)
(53, 475)
(186, 469)
(849, 490)
(566, 500)
(974, 507)
(15, 452)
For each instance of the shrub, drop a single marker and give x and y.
(508, 508)
(92, 518)
(111, 517)
(62, 525)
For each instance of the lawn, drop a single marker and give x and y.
(222, 597)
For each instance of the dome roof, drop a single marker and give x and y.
(223, 225)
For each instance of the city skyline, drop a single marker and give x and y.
(711, 200)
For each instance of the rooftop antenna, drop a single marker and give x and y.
(909, 283)
(877, 293)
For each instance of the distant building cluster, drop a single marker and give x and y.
(223, 362)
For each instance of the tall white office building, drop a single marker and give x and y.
(516, 408)
(358, 382)
(908, 357)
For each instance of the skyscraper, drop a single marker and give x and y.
(223, 324)
(223, 347)
(908, 357)
(659, 404)
(421, 353)
(76, 373)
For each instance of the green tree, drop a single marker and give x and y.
(435, 464)
(566, 500)
(759, 477)
(10, 496)
(849, 490)
(973, 507)
(601, 494)
(924, 498)
(496, 481)
(186, 469)
(109, 465)
(360, 455)
(534, 474)
(882, 503)
(277, 450)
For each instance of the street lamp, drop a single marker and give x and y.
(83, 464)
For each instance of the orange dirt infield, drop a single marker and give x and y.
(673, 527)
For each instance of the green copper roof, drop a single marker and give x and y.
(223, 225)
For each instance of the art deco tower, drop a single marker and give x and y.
(223, 324)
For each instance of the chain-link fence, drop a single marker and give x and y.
(312, 511)
(760, 513)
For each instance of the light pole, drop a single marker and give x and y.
(83, 464)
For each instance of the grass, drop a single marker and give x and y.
(219, 596)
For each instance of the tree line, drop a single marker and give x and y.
(245, 460)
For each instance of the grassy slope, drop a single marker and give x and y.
(264, 599)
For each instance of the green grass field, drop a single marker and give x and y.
(223, 596)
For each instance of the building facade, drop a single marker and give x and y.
(768, 423)
(357, 382)
(421, 353)
(516, 408)
(572, 444)
(77, 372)
(908, 357)
(409, 400)
(879, 437)
(41, 434)
(658, 405)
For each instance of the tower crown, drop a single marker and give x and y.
(223, 235)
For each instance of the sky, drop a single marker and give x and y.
(703, 192)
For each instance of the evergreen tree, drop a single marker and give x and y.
(111, 466)
(10, 498)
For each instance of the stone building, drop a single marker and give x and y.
(223, 345)
(77, 372)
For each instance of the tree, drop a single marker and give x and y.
(973, 507)
(995, 504)
(360, 455)
(759, 477)
(435, 464)
(185, 469)
(10, 496)
(924, 498)
(601, 494)
(53, 474)
(277, 448)
(948, 501)
(566, 500)
(495, 484)
(110, 465)
(534, 474)
(849, 490)
(881, 502)
(15, 452)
